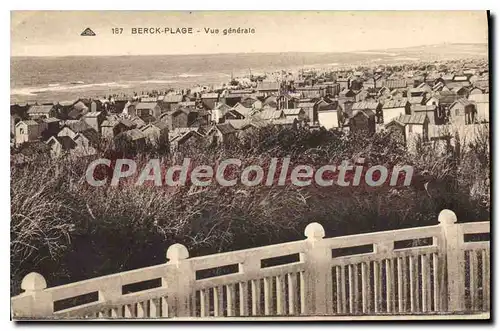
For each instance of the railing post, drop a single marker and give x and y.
(318, 274)
(454, 282)
(35, 302)
(179, 281)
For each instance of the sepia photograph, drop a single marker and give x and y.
(250, 165)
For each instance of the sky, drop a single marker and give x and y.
(57, 33)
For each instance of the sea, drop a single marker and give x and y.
(52, 79)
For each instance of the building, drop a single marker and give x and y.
(393, 108)
(42, 111)
(432, 112)
(28, 131)
(374, 106)
(60, 145)
(411, 127)
(209, 100)
(482, 102)
(463, 112)
(148, 111)
(268, 88)
(156, 133)
(221, 133)
(362, 121)
(330, 117)
(95, 119)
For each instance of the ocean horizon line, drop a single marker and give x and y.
(253, 53)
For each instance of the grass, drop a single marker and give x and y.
(69, 231)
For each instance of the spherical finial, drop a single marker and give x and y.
(314, 231)
(33, 282)
(177, 252)
(447, 216)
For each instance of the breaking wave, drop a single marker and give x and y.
(61, 88)
(188, 75)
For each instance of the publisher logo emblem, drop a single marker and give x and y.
(87, 32)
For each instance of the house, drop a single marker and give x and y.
(311, 92)
(122, 126)
(86, 143)
(60, 145)
(411, 127)
(78, 110)
(269, 114)
(392, 84)
(432, 111)
(446, 98)
(332, 89)
(296, 113)
(330, 117)
(308, 108)
(169, 100)
(482, 102)
(182, 136)
(95, 119)
(147, 110)
(156, 133)
(107, 128)
(209, 100)
(180, 118)
(52, 127)
(28, 131)
(476, 90)
(221, 133)
(463, 112)
(268, 88)
(374, 106)
(416, 100)
(391, 109)
(130, 140)
(347, 95)
(344, 83)
(239, 112)
(362, 120)
(219, 111)
(461, 91)
(139, 122)
(42, 111)
(288, 122)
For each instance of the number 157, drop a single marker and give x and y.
(117, 30)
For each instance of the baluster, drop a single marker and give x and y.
(280, 295)
(377, 286)
(426, 284)
(268, 296)
(129, 311)
(243, 299)
(218, 304)
(435, 275)
(204, 303)
(141, 309)
(343, 300)
(485, 256)
(154, 307)
(473, 279)
(292, 294)
(351, 288)
(303, 293)
(230, 294)
(165, 311)
(365, 287)
(389, 284)
(256, 297)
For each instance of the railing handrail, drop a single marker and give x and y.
(446, 235)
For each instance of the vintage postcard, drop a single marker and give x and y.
(224, 165)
